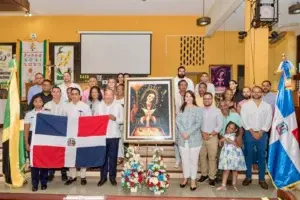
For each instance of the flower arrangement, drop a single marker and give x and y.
(157, 176)
(132, 175)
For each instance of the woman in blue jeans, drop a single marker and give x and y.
(37, 174)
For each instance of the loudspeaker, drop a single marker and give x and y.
(266, 10)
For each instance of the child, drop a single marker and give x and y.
(231, 157)
(29, 129)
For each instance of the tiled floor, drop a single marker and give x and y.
(203, 190)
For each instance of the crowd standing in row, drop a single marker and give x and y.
(229, 135)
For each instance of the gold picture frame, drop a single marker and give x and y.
(149, 110)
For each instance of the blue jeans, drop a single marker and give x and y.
(261, 146)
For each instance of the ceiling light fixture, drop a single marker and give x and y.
(28, 14)
(294, 9)
(203, 21)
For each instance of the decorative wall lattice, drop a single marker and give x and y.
(191, 51)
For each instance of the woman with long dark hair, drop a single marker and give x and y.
(188, 138)
(227, 96)
(120, 78)
(95, 97)
(237, 95)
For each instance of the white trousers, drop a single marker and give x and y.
(189, 159)
(73, 172)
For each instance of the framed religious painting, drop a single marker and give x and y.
(220, 75)
(149, 110)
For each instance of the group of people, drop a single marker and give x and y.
(229, 135)
(69, 100)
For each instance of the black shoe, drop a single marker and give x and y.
(50, 177)
(64, 177)
(34, 188)
(183, 185)
(202, 179)
(44, 187)
(263, 184)
(247, 182)
(218, 179)
(212, 182)
(83, 181)
(193, 188)
(113, 181)
(70, 181)
(101, 182)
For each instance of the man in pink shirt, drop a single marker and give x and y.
(85, 94)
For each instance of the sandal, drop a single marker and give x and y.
(222, 188)
(234, 187)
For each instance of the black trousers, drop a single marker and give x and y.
(110, 166)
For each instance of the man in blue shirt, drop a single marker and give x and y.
(37, 88)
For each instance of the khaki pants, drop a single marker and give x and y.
(208, 157)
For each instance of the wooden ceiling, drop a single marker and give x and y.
(14, 5)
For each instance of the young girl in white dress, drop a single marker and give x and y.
(231, 157)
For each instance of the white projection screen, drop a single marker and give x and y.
(115, 52)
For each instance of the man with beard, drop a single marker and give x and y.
(256, 117)
(181, 76)
(209, 86)
(268, 96)
(246, 95)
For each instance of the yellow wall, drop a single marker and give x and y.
(221, 48)
(166, 34)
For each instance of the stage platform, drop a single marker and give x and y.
(59, 191)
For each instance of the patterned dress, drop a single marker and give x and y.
(231, 157)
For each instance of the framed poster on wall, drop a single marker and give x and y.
(62, 56)
(220, 75)
(149, 110)
(6, 52)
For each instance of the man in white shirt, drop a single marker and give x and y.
(179, 100)
(210, 87)
(256, 117)
(113, 134)
(75, 109)
(212, 125)
(181, 76)
(67, 84)
(56, 107)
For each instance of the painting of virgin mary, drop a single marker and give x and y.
(150, 109)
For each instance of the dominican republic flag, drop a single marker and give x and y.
(284, 149)
(67, 142)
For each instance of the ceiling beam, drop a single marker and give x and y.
(14, 5)
(219, 13)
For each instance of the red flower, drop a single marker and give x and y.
(126, 179)
(132, 170)
(158, 184)
(140, 179)
(151, 185)
(131, 184)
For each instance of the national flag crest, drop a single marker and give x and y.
(284, 151)
(60, 141)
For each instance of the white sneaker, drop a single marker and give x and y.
(177, 164)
